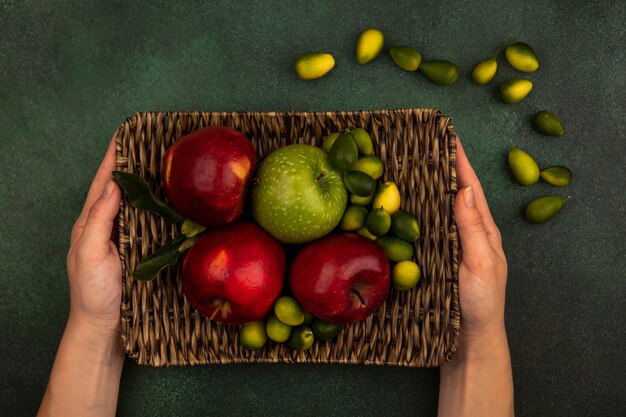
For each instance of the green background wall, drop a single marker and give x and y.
(71, 72)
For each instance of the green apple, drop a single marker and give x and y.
(297, 196)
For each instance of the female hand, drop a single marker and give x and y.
(478, 380)
(93, 264)
(85, 378)
(483, 269)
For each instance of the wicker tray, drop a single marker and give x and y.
(418, 328)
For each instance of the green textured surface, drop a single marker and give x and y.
(71, 72)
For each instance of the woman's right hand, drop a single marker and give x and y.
(482, 269)
(478, 380)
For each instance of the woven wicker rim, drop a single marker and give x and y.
(418, 328)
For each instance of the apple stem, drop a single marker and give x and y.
(360, 297)
(322, 174)
(218, 307)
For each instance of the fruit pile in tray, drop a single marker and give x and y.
(318, 246)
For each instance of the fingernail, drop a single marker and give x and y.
(468, 196)
(108, 189)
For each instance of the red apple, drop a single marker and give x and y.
(341, 278)
(234, 274)
(205, 175)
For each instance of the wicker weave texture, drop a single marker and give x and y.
(417, 328)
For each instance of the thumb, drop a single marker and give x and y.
(99, 224)
(472, 231)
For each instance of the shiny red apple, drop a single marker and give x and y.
(234, 274)
(341, 278)
(206, 173)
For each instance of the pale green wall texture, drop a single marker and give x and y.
(71, 72)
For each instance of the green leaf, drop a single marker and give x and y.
(140, 196)
(191, 229)
(167, 255)
(189, 243)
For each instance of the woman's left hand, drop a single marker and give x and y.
(93, 263)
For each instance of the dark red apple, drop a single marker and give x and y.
(234, 274)
(205, 175)
(341, 278)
